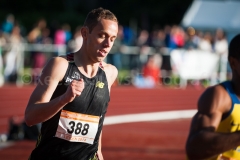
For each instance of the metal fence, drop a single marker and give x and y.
(16, 61)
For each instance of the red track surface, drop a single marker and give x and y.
(143, 140)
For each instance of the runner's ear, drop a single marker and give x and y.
(84, 32)
(233, 63)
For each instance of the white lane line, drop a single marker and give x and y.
(141, 117)
(152, 116)
(6, 144)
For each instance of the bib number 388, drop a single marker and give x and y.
(76, 127)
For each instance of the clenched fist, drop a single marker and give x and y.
(73, 90)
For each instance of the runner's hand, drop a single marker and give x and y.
(73, 90)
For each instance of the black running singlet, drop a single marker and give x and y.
(73, 133)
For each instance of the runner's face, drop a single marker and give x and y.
(101, 39)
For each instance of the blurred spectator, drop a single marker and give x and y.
(198, 36)
(221, 48)
(45, 37)
(143, 42)
(15, 130)
(166, 68)
(129, 37)
(63, 34)
(60, 37)
(176, 37)
(38, 35)
(167, 31)
(53, 27)
(78, 38)
(190, 39)
(158, 40)
(152, 68)
(35, 34)
(68, 34)
(3, 39)
(116, 56)
(76, 43)
(3, 42)
(14, 58)
(8, 24)
(205, 43)
(150, 73)
(18, 130)
(143, 38)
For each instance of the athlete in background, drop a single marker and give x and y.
(214, 132)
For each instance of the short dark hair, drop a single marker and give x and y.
(234, 47)
(96, 15)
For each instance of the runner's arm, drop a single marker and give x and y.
(39, 107)
(99, 152)
(203, 141)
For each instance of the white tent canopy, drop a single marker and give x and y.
(212, 14)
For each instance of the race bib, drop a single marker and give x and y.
(77, 127)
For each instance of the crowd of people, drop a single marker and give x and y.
(14, 34)
(160, 40)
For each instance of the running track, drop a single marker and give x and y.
(144, 140)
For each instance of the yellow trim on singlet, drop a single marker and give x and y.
(229, 125)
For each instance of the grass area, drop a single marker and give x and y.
(124, 77)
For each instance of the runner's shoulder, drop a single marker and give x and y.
(56, 64)
(58, 61)
(214, 98)
(109, 69)
(215, 91)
